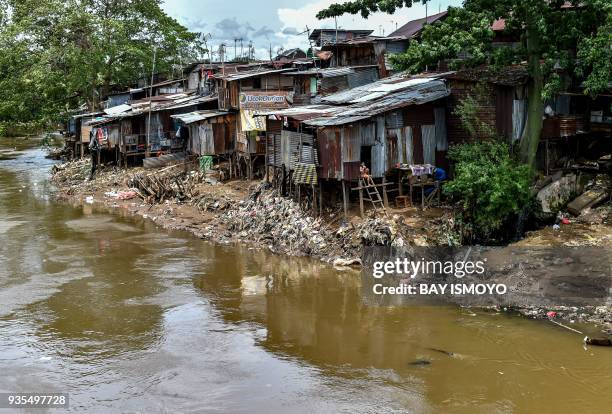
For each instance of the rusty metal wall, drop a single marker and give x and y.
(403, 151)
(220, 138)
(333, 85)
(368, 133)
(329, 150)
(351, 143)
(350, 170)
(274, 126)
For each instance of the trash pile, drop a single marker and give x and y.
(73, 176)
(281, 224)
(71, 173)
(55, 153)
(166, 184)
(213, 202)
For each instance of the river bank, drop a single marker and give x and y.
(251, 213)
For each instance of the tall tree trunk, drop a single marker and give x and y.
(535, 103)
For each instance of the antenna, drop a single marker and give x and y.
(241, 54)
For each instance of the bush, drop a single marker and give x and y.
(490, 186)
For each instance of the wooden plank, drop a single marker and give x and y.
(586, 199)
(371, 186)
(361, 210)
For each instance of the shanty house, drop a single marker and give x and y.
(317, 82)
(210, 132)
(245, 93)
(375, 50)
(322, 37)
(397, 120)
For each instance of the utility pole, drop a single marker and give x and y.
(336, 42)
(235, 42)
(147, 149)
(222, 56)
(241, 51)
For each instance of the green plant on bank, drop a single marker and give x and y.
(490, 186)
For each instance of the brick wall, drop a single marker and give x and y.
(486, 99)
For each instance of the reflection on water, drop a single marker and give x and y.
(126, 317)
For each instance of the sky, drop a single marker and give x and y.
(279, 23)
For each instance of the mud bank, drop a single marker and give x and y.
(251, 213)
(245, 212)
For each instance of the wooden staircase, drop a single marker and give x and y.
(373, 195)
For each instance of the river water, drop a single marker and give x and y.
(129, 318)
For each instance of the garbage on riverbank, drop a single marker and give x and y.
(283, 226)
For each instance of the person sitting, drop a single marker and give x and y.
(439, 175)
(364, 171)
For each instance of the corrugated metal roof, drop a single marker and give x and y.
(349, 95)
(168, 82)
(196, 116)
(330, 72)
(182, 103)
(251, 74)
(118, 109)
(378, 89)
(339, 120)
(303, 113)
(414, 27)
(142, 106)
(416, 94)
(89, 114)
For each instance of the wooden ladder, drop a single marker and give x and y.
(373, 194)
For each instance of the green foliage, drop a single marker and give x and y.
(466, 32)
(548, 32)
(489, 184)
(595, 55)
(56, 55)
(365, 7)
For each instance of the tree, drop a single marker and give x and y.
(550, 30)
(490, 185)
(56, 55)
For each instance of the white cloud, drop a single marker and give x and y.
(305, 15)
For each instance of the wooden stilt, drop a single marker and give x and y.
(361, 209)
(320, 199)
(314, 199)
(385, 198)
(344, 199)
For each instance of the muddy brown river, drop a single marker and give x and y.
(129, 318)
